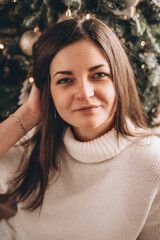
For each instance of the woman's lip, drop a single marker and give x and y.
(87, 108)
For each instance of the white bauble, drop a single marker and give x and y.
(27, 40)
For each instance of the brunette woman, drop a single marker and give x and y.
(91, 172)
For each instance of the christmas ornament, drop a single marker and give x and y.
(130, 8)
(68, 12)
(27, 40)
(67, 15)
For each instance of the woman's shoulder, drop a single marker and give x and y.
(149, 144)
(146, 154)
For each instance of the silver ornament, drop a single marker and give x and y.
(27, 41)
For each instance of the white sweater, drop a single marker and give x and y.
(105, 191)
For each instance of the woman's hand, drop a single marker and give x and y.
(30, 112)
(29, 115)
(33, 104)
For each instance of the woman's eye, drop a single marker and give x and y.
(100, 75)
(64, 81)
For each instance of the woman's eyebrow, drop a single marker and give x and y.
(90, 70)
(63, 72)
(98, 66)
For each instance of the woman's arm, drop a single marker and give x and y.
(29, 115)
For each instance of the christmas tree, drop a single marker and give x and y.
(136, 23)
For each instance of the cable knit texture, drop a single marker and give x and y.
(106, 190)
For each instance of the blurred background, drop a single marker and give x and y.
(136, 23)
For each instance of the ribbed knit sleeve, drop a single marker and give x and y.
(151, 228)
(10, 161)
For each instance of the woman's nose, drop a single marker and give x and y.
(84, 91)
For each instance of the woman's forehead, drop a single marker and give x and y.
(80, 53)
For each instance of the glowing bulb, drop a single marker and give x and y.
(36, 29)
(145, 54)
(143, 66)
(143, 43)
(123, 40)
(1, 46)
(88, 16)
(31, 79)
(125, 18)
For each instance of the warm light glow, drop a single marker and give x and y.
(143, 66)
(123, 40)
(125, 18)
(36, 29)
(1, 46)
(68, 13)
(143, 43)
(146, 54)
(88, 16)
(14, 1)
(31, 79)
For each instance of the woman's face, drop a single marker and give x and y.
(82, 89)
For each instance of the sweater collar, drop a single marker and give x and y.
(97, 150)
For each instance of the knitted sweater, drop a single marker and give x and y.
(106, 190)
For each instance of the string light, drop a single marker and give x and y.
(31, 79)
(1, 46)
(143, 66)
(36, 29)
(143, 43)
(87, 15)
(146, 54)
(14, 1)
(125, 18)
(123, 40)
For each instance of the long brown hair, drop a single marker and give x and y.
(33, 180)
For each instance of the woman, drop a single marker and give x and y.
(91, 173)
